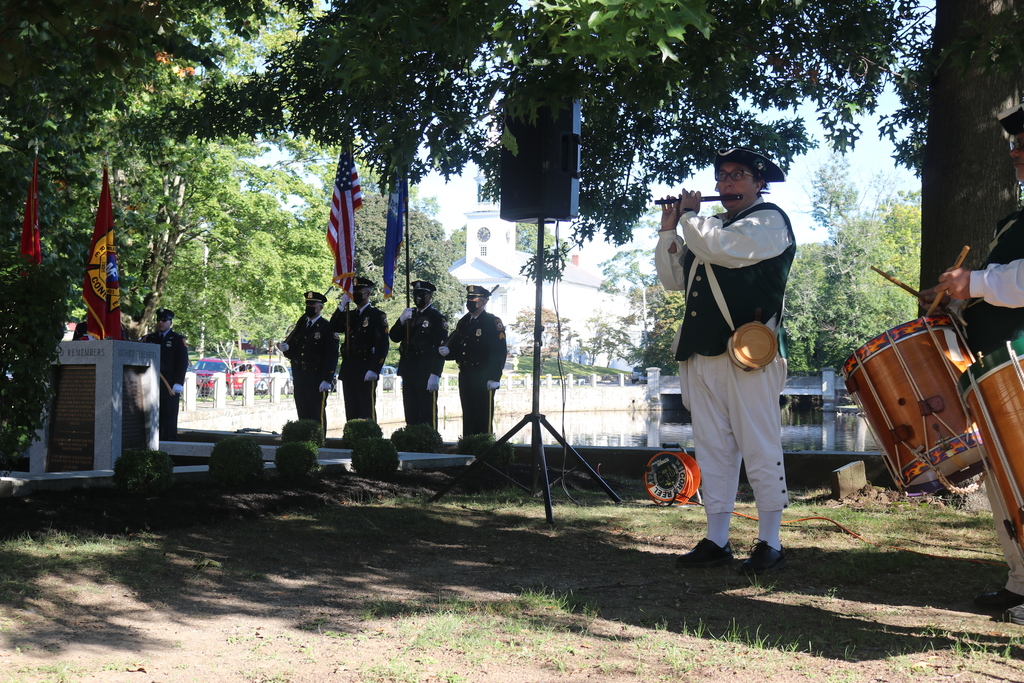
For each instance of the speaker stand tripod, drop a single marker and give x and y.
(534, 418)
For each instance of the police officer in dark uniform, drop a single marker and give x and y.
(173, 364)
(421, 331)
(312, 347)
(478, 346)
(363, 350)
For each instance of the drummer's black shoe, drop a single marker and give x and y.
(763, 559)
(707, 553)
(1000, 599)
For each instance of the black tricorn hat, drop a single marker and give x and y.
(423, 284)
(765, 167)
(1012, 120)
(164, 313)
(315, 297)
(477, 290)
(362, 282)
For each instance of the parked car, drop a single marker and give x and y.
(388, 377)
(235, 373)
(638, 376)
(275, 370)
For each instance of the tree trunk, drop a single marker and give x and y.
(967, 181)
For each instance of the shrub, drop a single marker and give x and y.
(303, 430)
(143, 472)
(374, 457)
(236, 460)
(417, 439)
(297, 459)
(357, 430)
(475, 444)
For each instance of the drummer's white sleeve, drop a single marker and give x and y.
(1000, 284)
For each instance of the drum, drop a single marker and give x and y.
(904, 381)
(993, 391)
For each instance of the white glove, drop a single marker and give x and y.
(406, 314)
(492, 385)
(325, 386)
(443, 350)
(344, 301)
(370, 376)
(177, 388)
(432, 382)
(283, 346)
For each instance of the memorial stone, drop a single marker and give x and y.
(105, 400)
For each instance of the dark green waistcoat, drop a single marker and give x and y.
(990, 327)
(761, 285)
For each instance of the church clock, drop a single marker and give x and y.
(483, 234)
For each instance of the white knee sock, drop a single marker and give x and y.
(768, 527)
(718, 528)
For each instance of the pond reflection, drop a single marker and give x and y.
(802, 430)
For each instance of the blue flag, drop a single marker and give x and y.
(394, 235)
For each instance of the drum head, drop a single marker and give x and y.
(753, 345)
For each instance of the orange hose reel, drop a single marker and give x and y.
(671, 477)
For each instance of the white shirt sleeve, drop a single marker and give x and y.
(758, 236)
(670, 265)
(1000, 284)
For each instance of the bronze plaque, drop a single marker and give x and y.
(134, 411)
(72, 419)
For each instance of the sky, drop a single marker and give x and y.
(871, 158)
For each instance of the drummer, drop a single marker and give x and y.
(991, 303)
(736, 414)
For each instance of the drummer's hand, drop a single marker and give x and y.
(958, 283)
(927, 296)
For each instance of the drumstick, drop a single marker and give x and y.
(896, 282)
(942, 288)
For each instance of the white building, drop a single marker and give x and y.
(492, 261)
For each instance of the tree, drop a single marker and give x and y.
(555, 332)
(835, 303)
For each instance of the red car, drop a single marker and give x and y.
(235, 374)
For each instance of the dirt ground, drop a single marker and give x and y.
(224, 586)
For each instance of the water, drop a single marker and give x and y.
(801, 431)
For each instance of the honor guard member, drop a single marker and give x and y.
(478, 346)
(733, 264)
(421, 331)
(312, 347)
(173, 364)
(363, 351)
(990, 302)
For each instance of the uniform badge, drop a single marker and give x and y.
(479, 332)
(168, 344)
(316, 335)
(426, 323)
(498, 324)
(366, 322)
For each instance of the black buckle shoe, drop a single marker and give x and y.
(763, 559)
(705, 554)
(1000, 599)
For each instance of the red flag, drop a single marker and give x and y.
(102, 291)
(30, 247)
(341, 231)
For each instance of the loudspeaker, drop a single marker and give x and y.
(542, 181)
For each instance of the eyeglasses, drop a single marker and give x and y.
(163, 320)
(1017, 144)
(735, 176)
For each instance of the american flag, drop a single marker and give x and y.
(341, 231)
